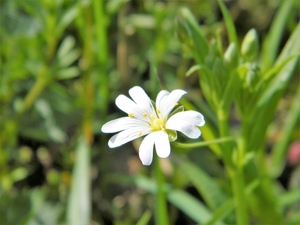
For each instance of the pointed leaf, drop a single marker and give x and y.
(200, 44)
(229, 23)
(79, 203)
(207, 187)
(272, 41)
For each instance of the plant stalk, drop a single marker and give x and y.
(234, 169)
(161, 210)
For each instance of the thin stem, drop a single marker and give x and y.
(224, 132)
(161, 203)
(234, 169)
(101, 34)
(202, 143)
(88, 84)
(238, 186)
(35, 91)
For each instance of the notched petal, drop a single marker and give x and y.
(185, 127)
(125, 104)
(162, 144)
(146, 150)
(190, 116)
(125, 136)
(139, 95)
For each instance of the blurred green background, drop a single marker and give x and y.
(62, 65)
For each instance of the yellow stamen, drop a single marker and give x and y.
(176, 104)
(145, 115)
(158, 111)
(130, 115)
(140, 133)
(157, 124)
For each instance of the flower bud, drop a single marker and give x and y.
(250, 45)
(231, 57)
(182, 31)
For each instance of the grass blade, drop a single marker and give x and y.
(229, 23)
(280, 149)
(279, 82)
(189, 205)
(144, 220)
(200, 44)
(273, 38)
(79, 208)
(206, 186)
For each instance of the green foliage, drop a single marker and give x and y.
(63, 63)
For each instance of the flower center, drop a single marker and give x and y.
(157, 124)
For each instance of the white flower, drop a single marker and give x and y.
(153, 120)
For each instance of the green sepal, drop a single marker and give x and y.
(250, 45)
(172, 134)
(231, 56)
(177, 110)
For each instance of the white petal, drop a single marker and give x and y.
(125, 104)
(142, 100)
(146, 149)
(139, 95)
(130, 107)
(185, 127)
(191, 116)
(123, 124)
(166, 102)
(161, 95)
(126, 136)
(162, 144)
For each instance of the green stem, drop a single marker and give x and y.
(223, 123)
(202, 143)
(35, 91)
(238, 186)
(161, 203)
(234, 169)
(101, 34)
(224, 132)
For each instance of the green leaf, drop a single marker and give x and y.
(143, 21)
(182, 200)
(233, 85)
(66, 46)
(227, 207)
(229, 24)
(67, 73)
(189, 205)
(210, 85)
(192, 70)
(113, 6)
(53, 130)
(278, 154)
(279, 82)
(271, 73)
(67, 18)
(69, 58)
(207, 187)
(145, 218)
(221, 213)
(200, 46)
(272, 41)
(290, 197)
(79, 203)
